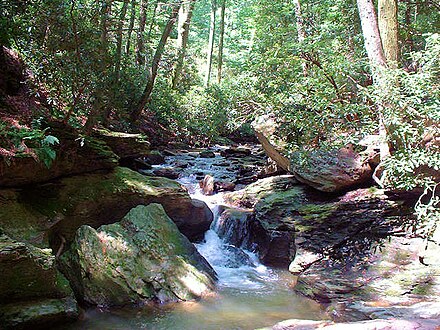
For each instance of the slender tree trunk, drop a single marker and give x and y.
(153, 20)
(376, 56)
(119, 39)
(211, 42)
(388, 27)
(130, 26)
(300, 29)
(185, 15)
(140, 48)
(221, 40)
(105, 13)
(146, 95)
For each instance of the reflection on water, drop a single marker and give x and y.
(249, 296)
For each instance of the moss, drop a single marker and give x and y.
(317, 212)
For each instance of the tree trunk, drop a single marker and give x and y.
(220, 43)
(376, 56)
(119, 39)
(130, 26)
(105, 13)
(185, 14)
(140, 48)
(151, 78)
(210, 42)
(388, 27)
(370, 30)
(300, 29)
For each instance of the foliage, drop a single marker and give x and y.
(24, 142)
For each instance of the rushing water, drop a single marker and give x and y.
(249, 296)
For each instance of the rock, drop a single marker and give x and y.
(198, 221)
(237, 257)
(224, 186)
(38, 314)
(207, 154)
(379, 324)
(145, 258)
(167, 172)
(124, 145)
(167, 152)
(75, 154)
(265, 128)
(235, 152)
(137, 164)
(331, 171)
(32, 291)
(207, 185)
(59, 208)
(154, 157)
(28, 272)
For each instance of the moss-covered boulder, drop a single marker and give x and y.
(124, 145)
(57, 209)
(32, 291)
(286, 214)
(143, 257)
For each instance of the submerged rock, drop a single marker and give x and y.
(143, 257)
(166, 172)
(207, 154)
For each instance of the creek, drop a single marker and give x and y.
(249, 296)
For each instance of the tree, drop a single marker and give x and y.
(152, 73)
(119, 39)
(388, 27)
(221, 40)
(211, 41)
(185, 15)
(300, 29)
(140, 48)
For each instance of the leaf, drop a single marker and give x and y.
(51, 140)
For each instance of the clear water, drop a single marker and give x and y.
(249, 295)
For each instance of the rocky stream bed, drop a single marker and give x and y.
(118, 242)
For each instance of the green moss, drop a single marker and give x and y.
(317, 212)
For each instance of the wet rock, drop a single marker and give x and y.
(207, 154)
(59, 208)
(237, 257)
(236, 152)
(154, 157)
(145, 258)
(168, 152)
(137, 164)
(379, 324)
(207, 185)
(166, 172)
(224, 186)
(198, 222)
(331, 171)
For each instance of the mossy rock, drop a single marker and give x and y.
(75, 154)
(38, 314)
(48, 211)
(143, 257)
(28, 272)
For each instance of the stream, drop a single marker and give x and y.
(250, 295)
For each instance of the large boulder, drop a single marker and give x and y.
(124, 145)
(142, 257)
(269, 228)
(75, 154)
(331, 171)
(32, 291)
(57, 209)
